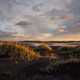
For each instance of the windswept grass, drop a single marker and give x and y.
(17, 52)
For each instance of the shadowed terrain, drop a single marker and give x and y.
(43, 62)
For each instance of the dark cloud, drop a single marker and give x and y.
(23, 23)
(37, 7)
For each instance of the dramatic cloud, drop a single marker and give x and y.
(45, 19)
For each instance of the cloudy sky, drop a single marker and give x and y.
(40, 19)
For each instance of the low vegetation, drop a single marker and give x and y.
(65, 67)
(69, 52)
(17, 52)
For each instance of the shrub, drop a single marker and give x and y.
(17, 52)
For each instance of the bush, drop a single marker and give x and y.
(17, 52)
(69, 52)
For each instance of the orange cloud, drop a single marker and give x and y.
(61, 29)
(73, 37)
(67, 17)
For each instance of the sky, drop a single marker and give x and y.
(46, 20)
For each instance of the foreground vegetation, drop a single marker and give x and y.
(66, 65)
(17, 53)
